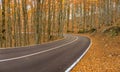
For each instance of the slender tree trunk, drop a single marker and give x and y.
(3, 31)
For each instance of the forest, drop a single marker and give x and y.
(30, 22)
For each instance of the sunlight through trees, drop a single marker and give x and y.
(28, 22)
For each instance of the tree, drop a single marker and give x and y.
(3, 30)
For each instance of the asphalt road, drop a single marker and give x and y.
(56, 56)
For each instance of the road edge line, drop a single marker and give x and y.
(28, 55)
(8, 48)
(75, 63)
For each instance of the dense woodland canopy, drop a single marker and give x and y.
(26, 22)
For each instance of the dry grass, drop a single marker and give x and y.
(103, 56)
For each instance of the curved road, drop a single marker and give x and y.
(57, 56)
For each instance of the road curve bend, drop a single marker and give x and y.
(57, 56)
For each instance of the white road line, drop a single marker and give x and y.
(74, 64)
(15, 58)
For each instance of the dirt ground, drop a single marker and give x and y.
(103, 56)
